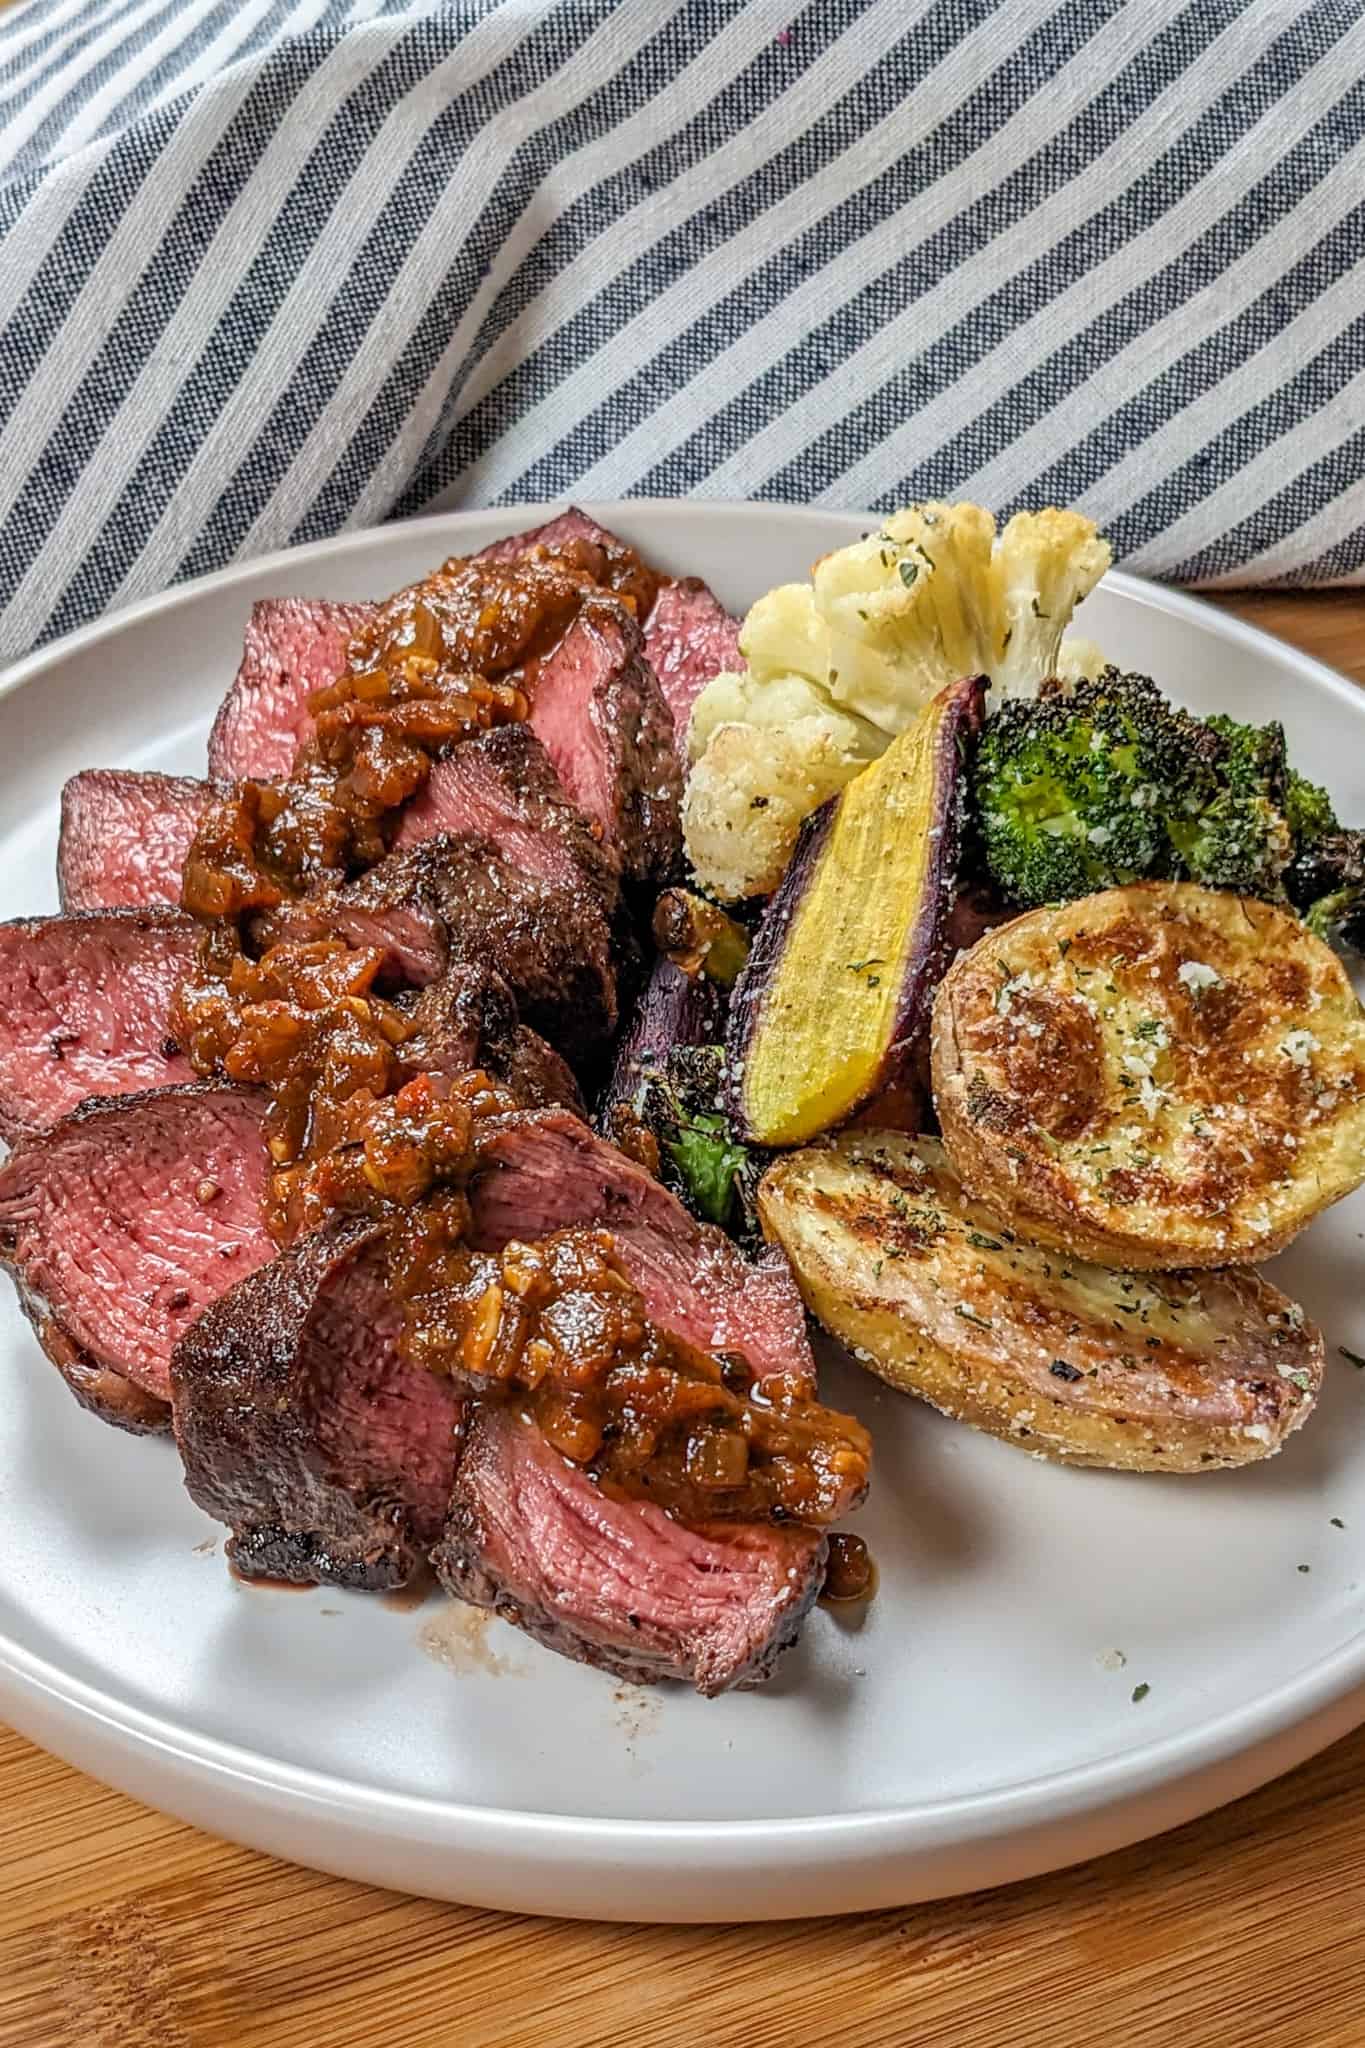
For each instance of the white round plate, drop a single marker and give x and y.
(978, 1726)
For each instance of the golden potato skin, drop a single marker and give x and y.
(1157, 1076)
(1082, 1364)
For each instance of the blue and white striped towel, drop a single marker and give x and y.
(271, 268)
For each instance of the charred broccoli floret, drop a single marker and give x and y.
(1270, 831)
(700, 1159)
(1111, 784)
(1325, 881)
(1308, 812)
(1239, 837)
(1326, 885)
(1076, 793)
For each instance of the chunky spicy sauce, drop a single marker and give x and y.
(559, 1329)
(452, 656)
(449, 657)
(357, 1125)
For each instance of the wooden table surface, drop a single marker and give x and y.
(119, 1929)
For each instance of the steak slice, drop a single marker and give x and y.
(456, 898)
(469, 1019)
(614, 1583)
(304, 1429)
(689, 638)
(598, 710)
(547, 1171)
(596, 707)
(83, 1008)
(124, 837)
(293, 646)
(126, 1220)
(537, 1075)
(502, 787)
(566, 526)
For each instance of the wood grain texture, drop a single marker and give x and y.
(120, 1929)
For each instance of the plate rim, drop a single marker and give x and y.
(1300, 1703)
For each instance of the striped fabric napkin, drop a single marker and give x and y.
(272, 268)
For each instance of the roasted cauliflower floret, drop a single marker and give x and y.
(745, 803)
(779, 703)
(912, 607)
(847, 662)
(783, 634)
(1047, 562)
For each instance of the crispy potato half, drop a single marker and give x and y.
(1166, 1372)
(1157, 1076)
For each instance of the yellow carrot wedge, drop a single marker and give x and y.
(842, 972)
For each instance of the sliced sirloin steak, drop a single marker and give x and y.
(83, 1008)
(596, 705)
(546, 1171)
(124, 1221)
(597, 708)
(293, 646)
(618, 1583)
(84, 1003)
(542, 918)
(502, 785)
(689, 638)
(124, 837)
(301, 1428)
(125, 1218)
(304, 1429)
(455, 897)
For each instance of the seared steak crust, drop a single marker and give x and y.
(101, 1389)
(303, 1428)
(468, 1018)
(616, 1583)
(456, 898)
(502, 786)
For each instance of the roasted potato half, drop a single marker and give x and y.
(1157, 1076)
(1167, 1372)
